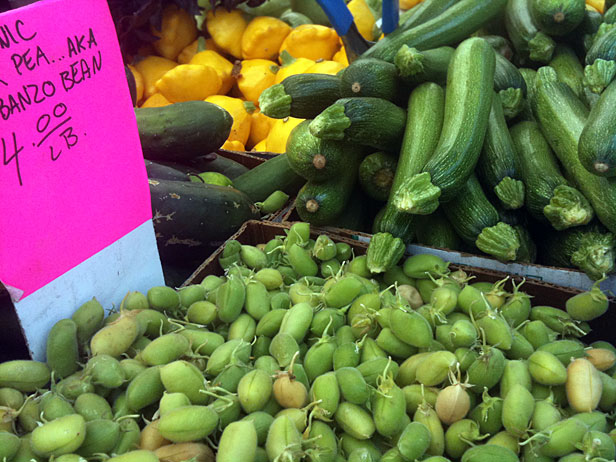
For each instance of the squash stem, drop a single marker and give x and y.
(568, 208)
(418, 195)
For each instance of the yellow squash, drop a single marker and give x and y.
(223, 66)
(363, 16)
(260, 128)
(325, 67)
(598, 5)
(177, 32)
(292, 66)
(151, 69)
(408, 4)
(263, 37)
(156, 100)
(261, 146)
(233, 145)
(138, 82)
(189, 82)
(254, 76)
(341, 57)
(226, 29)
(279, 134)
(240, 130)
(311, 41)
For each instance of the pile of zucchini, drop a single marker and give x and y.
(480, 125)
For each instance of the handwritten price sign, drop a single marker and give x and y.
(72, 177)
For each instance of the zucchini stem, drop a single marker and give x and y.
(275, 102)
(510, 192)
(501, 241)
(598, 75)
(331, 123)
(595, 255)
(541, 48)
(418, 195)
(568, 208)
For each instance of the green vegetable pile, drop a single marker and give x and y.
(303, 351)
(478, 125)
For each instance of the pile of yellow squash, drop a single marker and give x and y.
(241, 57)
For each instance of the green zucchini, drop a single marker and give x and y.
(569, 69)
(315, 159)
(557, 17)
(610, 16)
(373, 122)
(600, 67)
(597, 146)
(548, 196)
(476, 221)
(272, 175)
(376, 175)
(191, 218)
(604, 46)
(510, 85)
(421, 13)
(529, 42)
(182, 131)
(434, 230)
(322, 203)
(527, 253)
(416, 66)
(498, 166)
(448, 28)
(302, 96)
(581, 38)
(501, 45)
(589, 248)
(423, 129)
(467, 108)
(561, 117)
(529, 76)
(370, 77)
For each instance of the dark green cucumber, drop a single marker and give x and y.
(589, 248)
(315, 159)
(597, 146)
(158, 171)
(303, 96)
(476, 221)
(529, 76)
(548, 196)
(434, 230)
(423, 129)
(370, 77)
(561, 117)
(467, 108)
(182, 131)
(373, 122)
(510, 85)
(417, 67)
(557, 17)
(421, 13)
(272, 175)
(569, 69)
(529, 42)
(376, 174)
(190, 219)
(498, 166)
(295, 19)
(321, 203)
(216, 163)
(450, 27)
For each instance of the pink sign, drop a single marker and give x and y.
(72, 176)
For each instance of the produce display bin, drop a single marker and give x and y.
(544, 293)
(566, 277)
